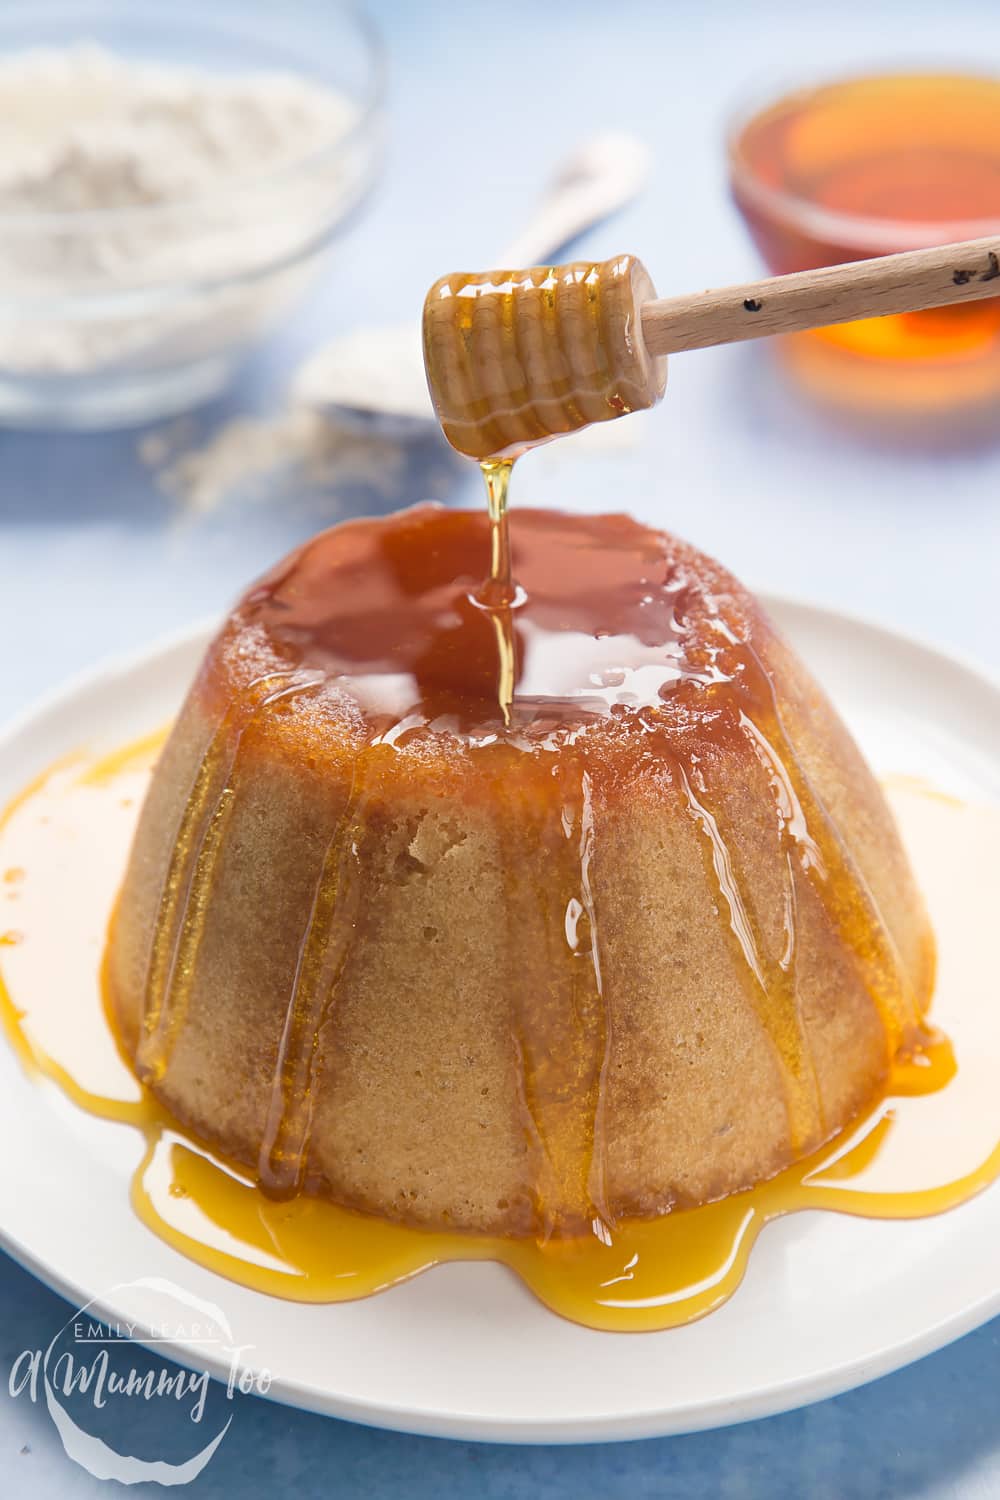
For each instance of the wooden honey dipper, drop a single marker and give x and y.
(514, 358)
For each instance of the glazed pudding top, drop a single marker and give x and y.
(608, 617)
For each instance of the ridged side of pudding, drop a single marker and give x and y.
(642, 946)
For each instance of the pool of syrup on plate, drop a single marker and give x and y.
(926, 1148)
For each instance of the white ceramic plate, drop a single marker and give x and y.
(464, 1350)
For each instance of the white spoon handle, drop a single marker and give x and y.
(603, 175)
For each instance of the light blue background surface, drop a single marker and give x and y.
(94, 559)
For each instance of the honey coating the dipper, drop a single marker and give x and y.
(514, 358)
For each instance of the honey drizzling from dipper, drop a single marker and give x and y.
(517, 358)
(497, 594)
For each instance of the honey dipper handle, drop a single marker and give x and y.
(908, 282)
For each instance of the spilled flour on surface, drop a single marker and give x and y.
(250, 456)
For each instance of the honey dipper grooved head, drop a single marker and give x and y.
(514, 358)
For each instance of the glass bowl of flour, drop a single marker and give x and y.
(172, 178)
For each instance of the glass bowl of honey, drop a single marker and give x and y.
(865, 166)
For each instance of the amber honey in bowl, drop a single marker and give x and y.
(868, 166)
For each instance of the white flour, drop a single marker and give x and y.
(206, 156)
